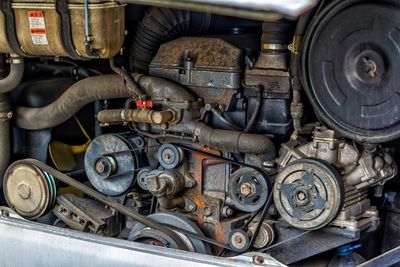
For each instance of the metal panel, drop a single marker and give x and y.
(252, 9)
(24, 243)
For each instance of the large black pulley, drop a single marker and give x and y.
(350, 68)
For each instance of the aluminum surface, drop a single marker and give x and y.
(252, 9)
(24, 243)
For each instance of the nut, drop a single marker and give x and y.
(247, 189)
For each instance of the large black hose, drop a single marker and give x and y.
(227, 140)
(110, 86)
(160, 25)
(235, 141)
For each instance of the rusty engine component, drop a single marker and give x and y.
(211, 69)
(181, 153)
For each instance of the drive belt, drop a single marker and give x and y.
(169, 230)
(119, 207)
(263, 211)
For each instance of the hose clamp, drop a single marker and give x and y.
(5, 116)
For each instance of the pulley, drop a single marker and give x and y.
(169, 156)
(350, 56)
(239, 240)
(248, 190)
(308, 193)
(141, 233)
(30, 191)
(111, 162)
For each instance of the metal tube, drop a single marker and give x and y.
(117, 116)
(5, 146)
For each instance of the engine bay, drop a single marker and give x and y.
(205, 133)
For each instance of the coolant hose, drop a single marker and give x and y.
(14, 77)
(88, 90)
(231, 141)
(160, 25)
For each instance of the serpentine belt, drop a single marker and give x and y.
(143, 219)
(118, 206)
(264, 211)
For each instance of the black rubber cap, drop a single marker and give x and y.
(350, 64)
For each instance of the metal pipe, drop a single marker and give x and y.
(15, 75)
(5, 146)
(117, 116)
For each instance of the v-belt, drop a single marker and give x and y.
(264, 211)
(170, 231)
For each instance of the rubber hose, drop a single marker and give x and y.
(254, 115)
(158, 26)
(14, 77)
(81, 93)
(232, 141)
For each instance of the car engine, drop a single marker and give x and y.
(201, 132)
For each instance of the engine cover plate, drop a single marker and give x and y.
(350, 55)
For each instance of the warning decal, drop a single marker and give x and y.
(37, 27)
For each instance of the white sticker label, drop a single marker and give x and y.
(37, 27)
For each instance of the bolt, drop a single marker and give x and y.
(301, 196)
(370, 67)
(24, 191)
(258, 259)
(101, 167)
(227, 211)
(247, 189)
(238, 239)
(190, 184)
